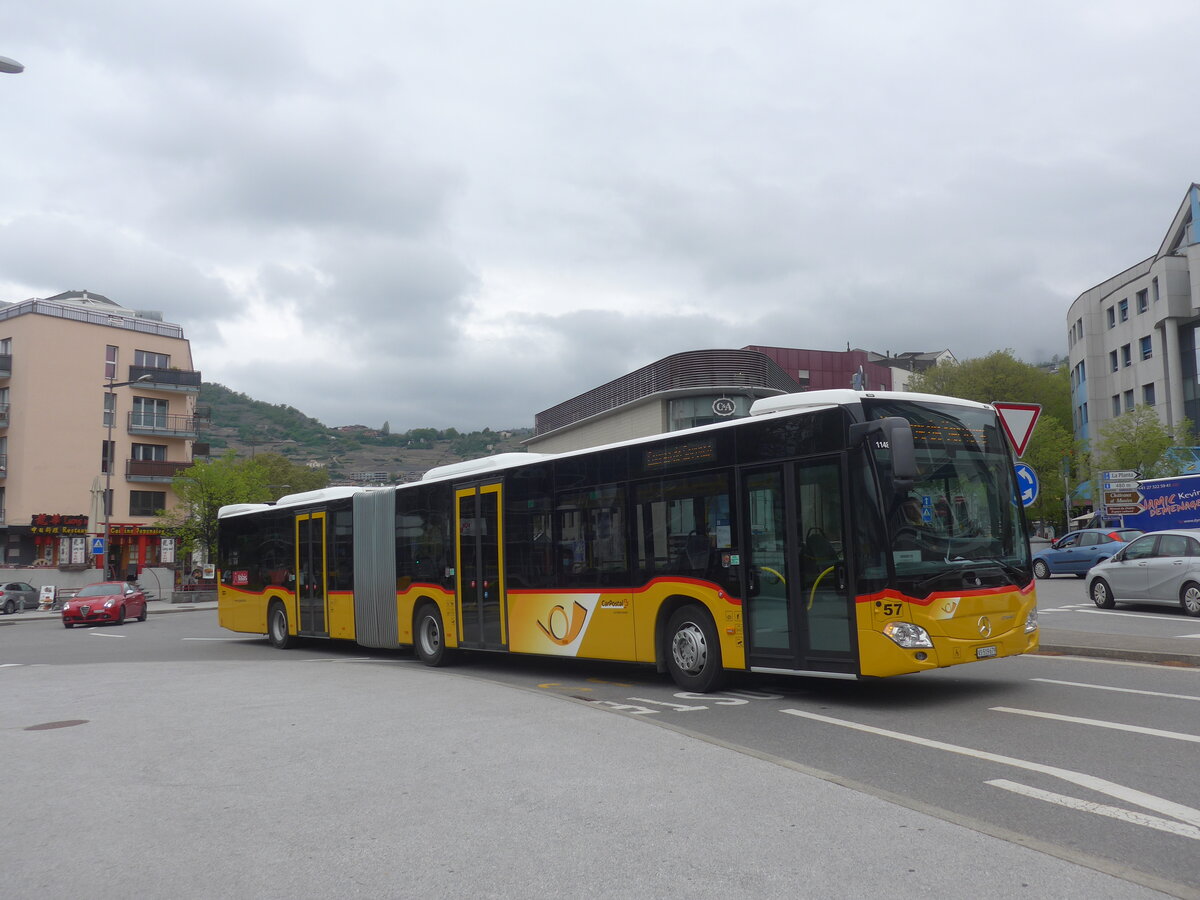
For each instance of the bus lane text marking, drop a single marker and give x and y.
(1090, 782)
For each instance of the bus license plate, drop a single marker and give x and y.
(985, 652)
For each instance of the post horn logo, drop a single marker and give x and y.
(563, 630)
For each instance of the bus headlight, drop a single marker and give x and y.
(1031, 622)
(908, 635)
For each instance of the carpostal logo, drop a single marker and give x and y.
(561, 628)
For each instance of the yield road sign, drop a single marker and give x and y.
(1017, 420)
(1027, 483)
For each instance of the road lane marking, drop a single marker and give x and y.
(1090, 782)
(95, 633)
(226, 639)
(1129, 615)
(1121, 690)
(1101, 723)
(1113, 812)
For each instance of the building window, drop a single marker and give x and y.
(1085, 415)
(146, 503)
(1128, 400)
(1082, 371)
(1154, 289)
(147, 360)
(1112, 361)
(1143, 301)
(1127, 355)
(1116, 405)
(1123, 307)
(110, 409)
(149, 452)
(1112, 317)
(1148, 394)
(1079, 328)
(110, 361)
(149, 413)
(1146, 347)
(107, 455)
(803, 377)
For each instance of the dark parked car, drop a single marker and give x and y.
(1078, 551)
(106, 601)
(17, 595)
(1163, 567)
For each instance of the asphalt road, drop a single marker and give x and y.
(247, 771)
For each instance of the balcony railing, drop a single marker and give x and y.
(3, 465)
(3, 415)
(153, 469)
(164, 424)
(5, 365)
(166, 379)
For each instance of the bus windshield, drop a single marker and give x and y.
(960, 522)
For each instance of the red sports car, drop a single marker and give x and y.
(107, 601)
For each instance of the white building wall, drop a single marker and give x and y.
(626, 423)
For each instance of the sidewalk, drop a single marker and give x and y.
(1054, 641)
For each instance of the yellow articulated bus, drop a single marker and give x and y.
(830, 533)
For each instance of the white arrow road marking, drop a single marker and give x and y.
(1113, 812)
(1090, 782)
(1101, 723)
(1120, 690)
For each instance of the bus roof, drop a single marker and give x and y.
(846, 397)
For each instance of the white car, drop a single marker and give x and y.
(1161, 567)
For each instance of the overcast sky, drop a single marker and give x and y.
(461, 213)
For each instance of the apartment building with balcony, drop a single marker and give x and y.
(75, 453)
(1134, 339)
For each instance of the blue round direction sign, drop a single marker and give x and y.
(1027, 483)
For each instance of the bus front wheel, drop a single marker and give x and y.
(277, 627)
(429, 636)
(693, 650)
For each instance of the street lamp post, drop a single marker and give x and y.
(108, 467)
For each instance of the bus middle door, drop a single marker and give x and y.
(311, 589)
(481, 612)
(798, 609)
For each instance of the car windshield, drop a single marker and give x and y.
(99, 590)
(963, 509)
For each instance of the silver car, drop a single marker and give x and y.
(1162, 567)
(17, 595)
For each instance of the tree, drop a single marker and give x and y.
(203, 489)
(1138, 440)
(282, 476)
(1054, 446)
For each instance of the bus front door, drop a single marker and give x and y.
(798, 606)
(480, 567)
(312, 594)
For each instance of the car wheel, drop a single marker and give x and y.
(1189, 598)
(9, 608)
(67, 624)
(1102, 594)
(1040, 569)
(277, 626)
(693, 651)
(121, 616)
(145, 612)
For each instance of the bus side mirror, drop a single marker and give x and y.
(894, 434)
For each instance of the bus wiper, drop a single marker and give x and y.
(1018, 577)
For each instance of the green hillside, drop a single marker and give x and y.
(250, 426)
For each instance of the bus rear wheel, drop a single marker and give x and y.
(693, 654)
(429, 638)
(277, 626)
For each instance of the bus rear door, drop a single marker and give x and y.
(481, 612)
(798, 604)
(311, 586)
